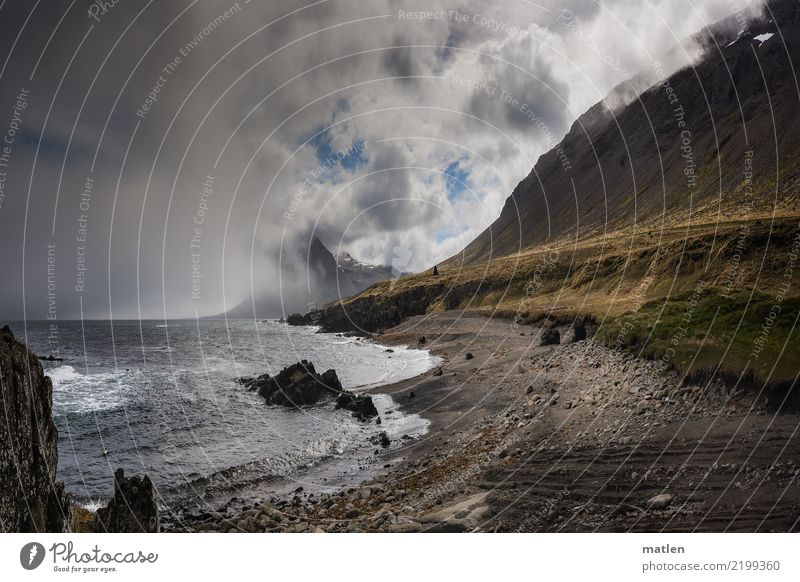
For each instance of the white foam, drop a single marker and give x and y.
(63, 375)
(94, 505)
(74, 392)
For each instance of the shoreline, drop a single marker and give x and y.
(328, 475)
(569, 437)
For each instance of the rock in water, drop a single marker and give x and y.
(30, 500)
(297, 385)
(382, 439)
(133, 508)
(550, 337)
(362, 406)
(300, 385)
(296, 319)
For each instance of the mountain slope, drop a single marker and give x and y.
(682, 147)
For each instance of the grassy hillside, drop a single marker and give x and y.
(696, 296)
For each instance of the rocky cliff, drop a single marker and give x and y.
(133, 509)
(30, 500)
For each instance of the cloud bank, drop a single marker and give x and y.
(172, 158)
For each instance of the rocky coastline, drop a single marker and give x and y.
(535, 426)
(529, 434)
(31, 499)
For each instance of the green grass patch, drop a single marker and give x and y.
(699, 330)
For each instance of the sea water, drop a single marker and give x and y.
(161, 398)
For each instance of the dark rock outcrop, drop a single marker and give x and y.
(297, 385)
(296, 319)
(132, 510)
(59, 513)
(382, 439)
(550, 337)
(383, 308)
(30, 500)
(360, 405)
(300, 385)
(576, 333)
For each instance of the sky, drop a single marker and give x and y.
(169, 159)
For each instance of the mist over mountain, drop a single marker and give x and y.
(680, 147)
(326, 279)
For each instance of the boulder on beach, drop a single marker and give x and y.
(576, 333)
(132, 510)
(658, 502)
(30, 499)
(550, 337)
(296, 385)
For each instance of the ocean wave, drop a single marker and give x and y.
(93, 505)
(349, 435)
(346, 446)
(194, 428)
(63, 375)
(76, 393)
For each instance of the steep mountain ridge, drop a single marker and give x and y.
(681, 147)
